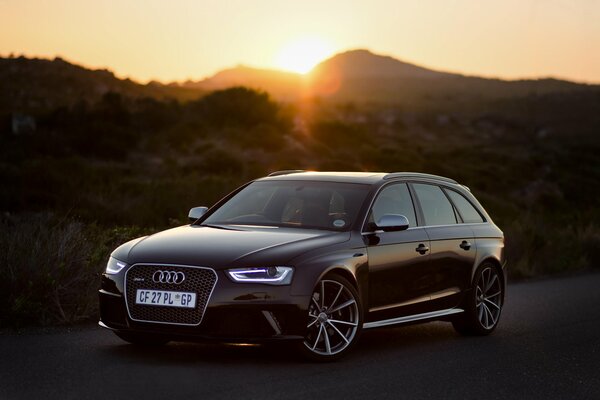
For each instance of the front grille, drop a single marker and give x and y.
(197, 279)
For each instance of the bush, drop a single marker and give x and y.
(50, 268)
(238, 106)
(338, 134)
(535, 247)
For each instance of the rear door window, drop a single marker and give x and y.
(437, 209)
(466, 210)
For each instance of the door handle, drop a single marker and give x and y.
(465, 245)
(422, 249)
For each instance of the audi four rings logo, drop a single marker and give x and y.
(168, 277)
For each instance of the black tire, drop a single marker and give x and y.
(335, 320)
(483, 305)
(142, 339)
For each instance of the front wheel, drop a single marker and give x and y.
(334, 320)
(483, 304)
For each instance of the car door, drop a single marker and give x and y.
(398, 261)
(452, 244)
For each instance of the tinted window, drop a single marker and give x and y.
(394, 199)
(466, 210)
(301, 204)
(436, 207)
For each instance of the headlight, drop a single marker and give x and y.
(114, 266)
(268, 275)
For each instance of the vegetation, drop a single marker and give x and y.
(33, 84)
(50, 268)
(91, 175)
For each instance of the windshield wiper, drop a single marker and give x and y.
(219, 227)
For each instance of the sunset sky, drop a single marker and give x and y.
(182, 39)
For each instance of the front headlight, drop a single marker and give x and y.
(268, 275)
(114, 266)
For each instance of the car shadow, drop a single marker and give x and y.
(381, 342)
(182, 353)
(403, 338)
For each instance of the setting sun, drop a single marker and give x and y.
(303, 54)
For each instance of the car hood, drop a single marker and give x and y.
(224, 247)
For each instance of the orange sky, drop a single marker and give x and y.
(181, 39)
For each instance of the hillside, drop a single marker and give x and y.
(358, 76)
(362, 76)
(33, 84)
(363, 64)
(280, 84)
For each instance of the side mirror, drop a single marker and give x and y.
(392, 223)
(196, 213)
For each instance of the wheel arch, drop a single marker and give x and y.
(348, 261)
(343, 272)
(355, 277)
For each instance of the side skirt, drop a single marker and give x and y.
(411, 318)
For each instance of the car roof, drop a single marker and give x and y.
(351, 177)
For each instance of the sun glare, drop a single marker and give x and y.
(303, 54)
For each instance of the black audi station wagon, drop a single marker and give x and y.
(314, 258)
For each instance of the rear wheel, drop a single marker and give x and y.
(484, 303)
(142, 339)
(334, 320)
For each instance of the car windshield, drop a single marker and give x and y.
(299, 204)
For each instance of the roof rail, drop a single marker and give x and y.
(417, 175)
(286, 172)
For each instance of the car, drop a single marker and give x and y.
(313, 258)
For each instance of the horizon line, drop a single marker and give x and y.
(274, 69)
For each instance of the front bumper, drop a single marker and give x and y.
(235, 312)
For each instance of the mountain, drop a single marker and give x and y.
(280, 84)
(30, 84)
(351, 66)
(362, 76)
(362, 64)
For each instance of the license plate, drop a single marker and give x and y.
(165, 298)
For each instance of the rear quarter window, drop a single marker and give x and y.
(467, 211)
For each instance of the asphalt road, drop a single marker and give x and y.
(547, 346)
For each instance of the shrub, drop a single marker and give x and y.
(50, 268)
(536, 247)
(339, 134)
(238, 106)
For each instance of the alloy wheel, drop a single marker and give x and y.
(334, 318)
(488, 298)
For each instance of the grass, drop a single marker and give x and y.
(50, 268)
